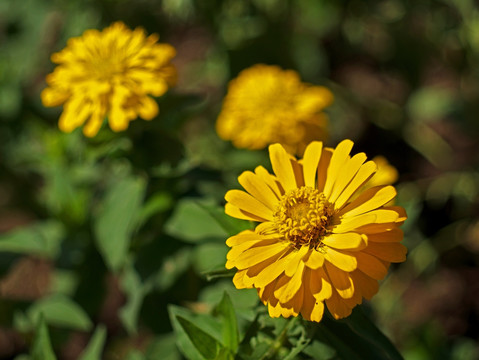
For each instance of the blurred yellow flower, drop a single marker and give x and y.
(109, 74)
(314, 244)
(266, 104)
(385, 175)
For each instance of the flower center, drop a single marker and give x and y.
(303, 217)
(105, 68)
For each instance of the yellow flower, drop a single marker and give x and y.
(266, 104)
(314, 244)
(385, 175)
(109, 74)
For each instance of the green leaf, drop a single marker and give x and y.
(117, 219)
(184, 343)
(229, 224)
(60, 311)
(163, 348)
(94, 349)
(364, 327)
(207, 345)
(230, 324)
(319, 350)
(192, 223)
(42, 348)
(357, 341)
(210, 256)
(41, 239)
(157, 203)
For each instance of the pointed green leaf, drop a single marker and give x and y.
(42, 239)
(190, 222)
(363, 326)
(230, 324)
(94, 349)
(117, 219)
(42, 348)
(58, 310)
(207, 345)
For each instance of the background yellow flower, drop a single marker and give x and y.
(316, 242)
(109, 74)
(266, 104)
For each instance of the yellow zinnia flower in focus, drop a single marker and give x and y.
(314, 244)
(109, 74)
(266, 104)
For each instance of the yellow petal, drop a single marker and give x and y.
(320, 285)
(266, 292)
(236, 212)
(364, 174)
(377, 228)
(391, 252)
(238, 280)
(337, 307)
(393, 235)
(245, 236)
(293, 265)
(312, 309)
(402, 216)
(341, 259)
(323, 165)
(258, 189)
(287, 292)
(345, 241)
(340, 155)
(270, 180)
(363, 283)
(271, 272)
(298, 172)
(353, 223)
(239, 249)
(340, 280)
(371, 266)
(314, 259)
(52, 96)
(248, 203)
(148, 108)
(280, 160)
(256, 255)
(350, 170)
(311, 157)
(370, 199)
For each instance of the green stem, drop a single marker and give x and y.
(278, 342)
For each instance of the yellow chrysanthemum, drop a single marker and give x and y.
(109, 74)
(315, 244)
(266, 104)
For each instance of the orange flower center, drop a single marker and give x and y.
(303, 217)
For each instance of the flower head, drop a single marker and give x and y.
(109, 74)
(317, 240)
(266, 104)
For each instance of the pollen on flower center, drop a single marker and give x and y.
(303, 217)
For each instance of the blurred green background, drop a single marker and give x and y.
(110, 236)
